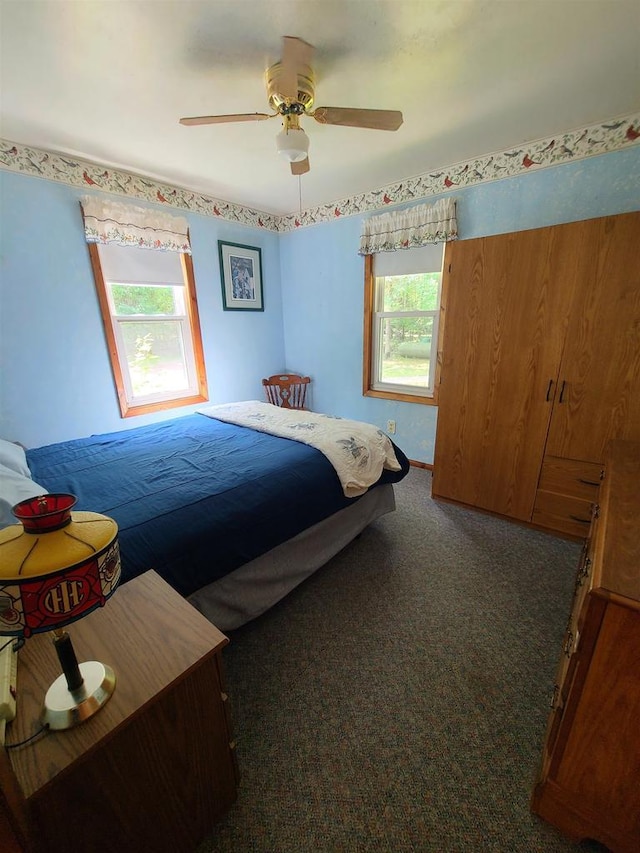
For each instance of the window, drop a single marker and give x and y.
(150, 315)
(402, 310)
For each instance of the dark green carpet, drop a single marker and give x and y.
(397, 700)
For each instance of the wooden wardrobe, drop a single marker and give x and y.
(540, 368)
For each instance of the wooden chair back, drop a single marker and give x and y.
(288, 390)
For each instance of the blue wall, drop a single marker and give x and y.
(323, 279)
(56, 379)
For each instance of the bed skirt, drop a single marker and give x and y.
(250, 590)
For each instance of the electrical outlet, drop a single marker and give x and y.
(391, 427)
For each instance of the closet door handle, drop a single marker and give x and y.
(549, 387)
(562, 391)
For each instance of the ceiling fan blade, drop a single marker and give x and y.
(300, 167)
(296, 54)
(192, 120)
(352, 117)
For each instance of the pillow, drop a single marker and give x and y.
(13, 456)
(15, 487)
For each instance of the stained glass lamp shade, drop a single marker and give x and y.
(56, 567)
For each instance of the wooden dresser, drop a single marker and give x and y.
(589, 781)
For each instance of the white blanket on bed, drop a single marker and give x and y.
(358, 451)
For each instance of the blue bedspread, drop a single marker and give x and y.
(194, 498)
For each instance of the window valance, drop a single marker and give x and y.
(113, 222)
(406, 229)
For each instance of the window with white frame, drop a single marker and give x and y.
(149, 309)
(402, 310)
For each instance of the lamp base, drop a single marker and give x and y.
(64, 708)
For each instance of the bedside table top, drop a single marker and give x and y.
(148, 634)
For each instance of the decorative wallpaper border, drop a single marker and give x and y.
(574, 145)
(82, 173)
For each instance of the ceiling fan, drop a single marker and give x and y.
(290, 91)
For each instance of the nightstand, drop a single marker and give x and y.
(155, 768)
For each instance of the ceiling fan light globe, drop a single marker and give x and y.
(293, 144)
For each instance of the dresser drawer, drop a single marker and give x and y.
(584, 579)
(563, 513)
(570, 477)
(571, 637)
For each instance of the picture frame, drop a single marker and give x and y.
(241, 277)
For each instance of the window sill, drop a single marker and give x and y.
(128, 411)
(403, 398)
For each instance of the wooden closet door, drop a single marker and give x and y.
(505, 318)
(600, 369)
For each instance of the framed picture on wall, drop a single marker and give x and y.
(241, 276)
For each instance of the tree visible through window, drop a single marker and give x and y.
(401, 328)
(405, 320)
(150, 315)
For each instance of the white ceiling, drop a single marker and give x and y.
(107, 80)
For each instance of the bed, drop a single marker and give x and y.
(229, 514)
